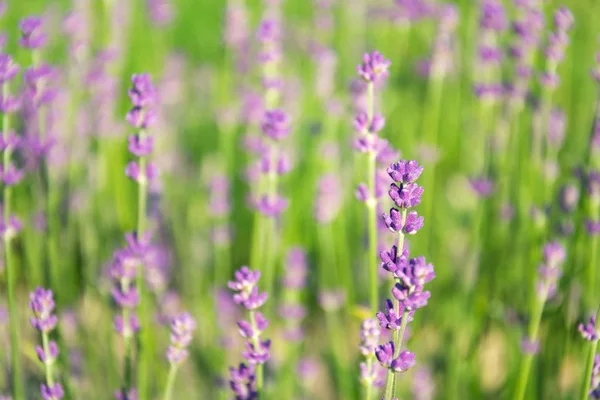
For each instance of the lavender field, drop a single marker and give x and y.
(299, 199)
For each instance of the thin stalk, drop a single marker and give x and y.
(534, 326)
(144, 337)
(369, 385)
(48, 365)
(170, 382)
(372, 207)
(587, 377)
(17, 371)
(255, 342)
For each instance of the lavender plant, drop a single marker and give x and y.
(372, 70)
(42, 305)
(247, 381)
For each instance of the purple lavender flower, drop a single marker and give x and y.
(568, 197)
(41, 303)
(275, 125)
(589, 330)
(403, 362)
(374, 67)
(595, 382)
(53, 392)
(160, 11)
(32, 34)
(8, 68)
(405, 171)
(406, 196)
(329, 199)
(385, 353)
(483, 187)
(182, 328)
(130, 394)
(243, 382)
(530, 346)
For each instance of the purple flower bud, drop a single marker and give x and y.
(124, 394)
(272, 205)
(258, 354)
(592, 227)
(12, 228)
(126, 299)
(32, 35)
(529, 346)
(550, 80)
(11, 176)
(589, 331)
(569, 197)
(133, 172)
(8, 68)
(369, 335)
(563, 19)
(390, 261)
(406, 196)
(128, 327)
(405, 171)
(41, 302)
(413, 223)
(410, 298)
(243, 382)
(554, 254)
(374, 67)
(54, 392)
(275, 125)
(141, 146)
(50, 357)
(10, 142)
(296, 269)
(483, 187)
(182, 329)
(403, 362)
(9, 104)
(385, 353)
(142, 93)
(392, 318)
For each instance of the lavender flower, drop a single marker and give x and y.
(243, 382)
(589, 330)
(42, 305)
(374, 67)
(32, 34)
(294, 280)
(257, 351)
(182, 329)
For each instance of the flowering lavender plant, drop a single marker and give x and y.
(247, 381)
(41, 303)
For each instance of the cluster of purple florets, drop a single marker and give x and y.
(41, 303)
(182, 329)
(257, 351)
(141, 116)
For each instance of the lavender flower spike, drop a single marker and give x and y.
(42, 305)
(182, 329)
(244, 383)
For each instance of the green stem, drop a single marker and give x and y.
(144, 338)
(170, 382)
(48, 365)
(17, 371)
(255, 340)
(534, 326)
(372, 207)
(587, 378)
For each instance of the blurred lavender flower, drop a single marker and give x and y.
(32, 33)
(292, 311)
(589, 331)
(328, 201)
(423, 387)
(160, 11)
(41, 303)
(182, 328)
(257, 351)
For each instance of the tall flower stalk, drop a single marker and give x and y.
(42, 305)
(182, 329)
(373, 69)
(548, 274)
(10, 225)
(409, 275)
(247, 381)
(591, 333)
(142, 116)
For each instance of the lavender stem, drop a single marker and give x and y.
(372, 205)
(17, 372)
(170, 382)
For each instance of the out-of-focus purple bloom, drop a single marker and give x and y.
(423, 387)
(563, 19)
(369, 336)
(569, 197)
(41, 303)
(8, 68)
(483, 187)
(54, 392)
(589, 330)
(592, 227)
(130, 394)
(275, 124)
(332, 300)
(296, 269)
(133, 172)
(406, 196)
(374, 67)
(182, 329)
(11, 176)
(160, 11)
(403, 362)
(50, 357)
(11, 228)
(595, 384)
(329, 199)
(272, 205)
(243, 382)
(32, 34)
(529, 346)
